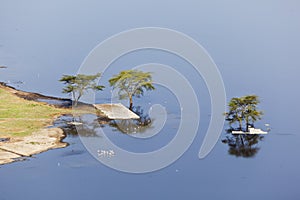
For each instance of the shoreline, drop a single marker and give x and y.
(19, 148)
(15, 148)
(33, 96)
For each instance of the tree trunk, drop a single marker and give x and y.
(130, 103)
(74, 98)
(240, 125)
(247, 123)
(242, 140)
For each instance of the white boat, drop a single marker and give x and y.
(250, 131)
(75, 123)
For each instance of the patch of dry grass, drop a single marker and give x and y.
(20, 117)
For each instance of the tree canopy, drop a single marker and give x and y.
(243, 111)
(77, 85)
(132, 83)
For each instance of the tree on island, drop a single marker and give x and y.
(77, 85)
(243, 111)
(131, 83)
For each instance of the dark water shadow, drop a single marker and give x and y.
(73, 152)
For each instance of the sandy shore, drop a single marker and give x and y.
(13, 148)
(43, 140)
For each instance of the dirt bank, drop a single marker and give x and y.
(31, 96)
(20, 114)
(40, 141)
(17, 114)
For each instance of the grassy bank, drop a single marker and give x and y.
(20, 117)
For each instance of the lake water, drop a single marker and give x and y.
(255, 46)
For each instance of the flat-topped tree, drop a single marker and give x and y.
(243, 111)
(251, 113)
(77, 85)
(131, 83)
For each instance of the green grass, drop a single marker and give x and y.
(19, 117)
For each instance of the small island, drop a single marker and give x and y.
(242, 137)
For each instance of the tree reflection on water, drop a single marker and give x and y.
(87, 128)
(89, 124)
(129, 126)
(242, 145)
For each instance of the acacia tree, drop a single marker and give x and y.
(251, 113)
(77, 85)
(131, 83)
(235, 114)
(243, 110)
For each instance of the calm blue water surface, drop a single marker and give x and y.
(256, 47)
